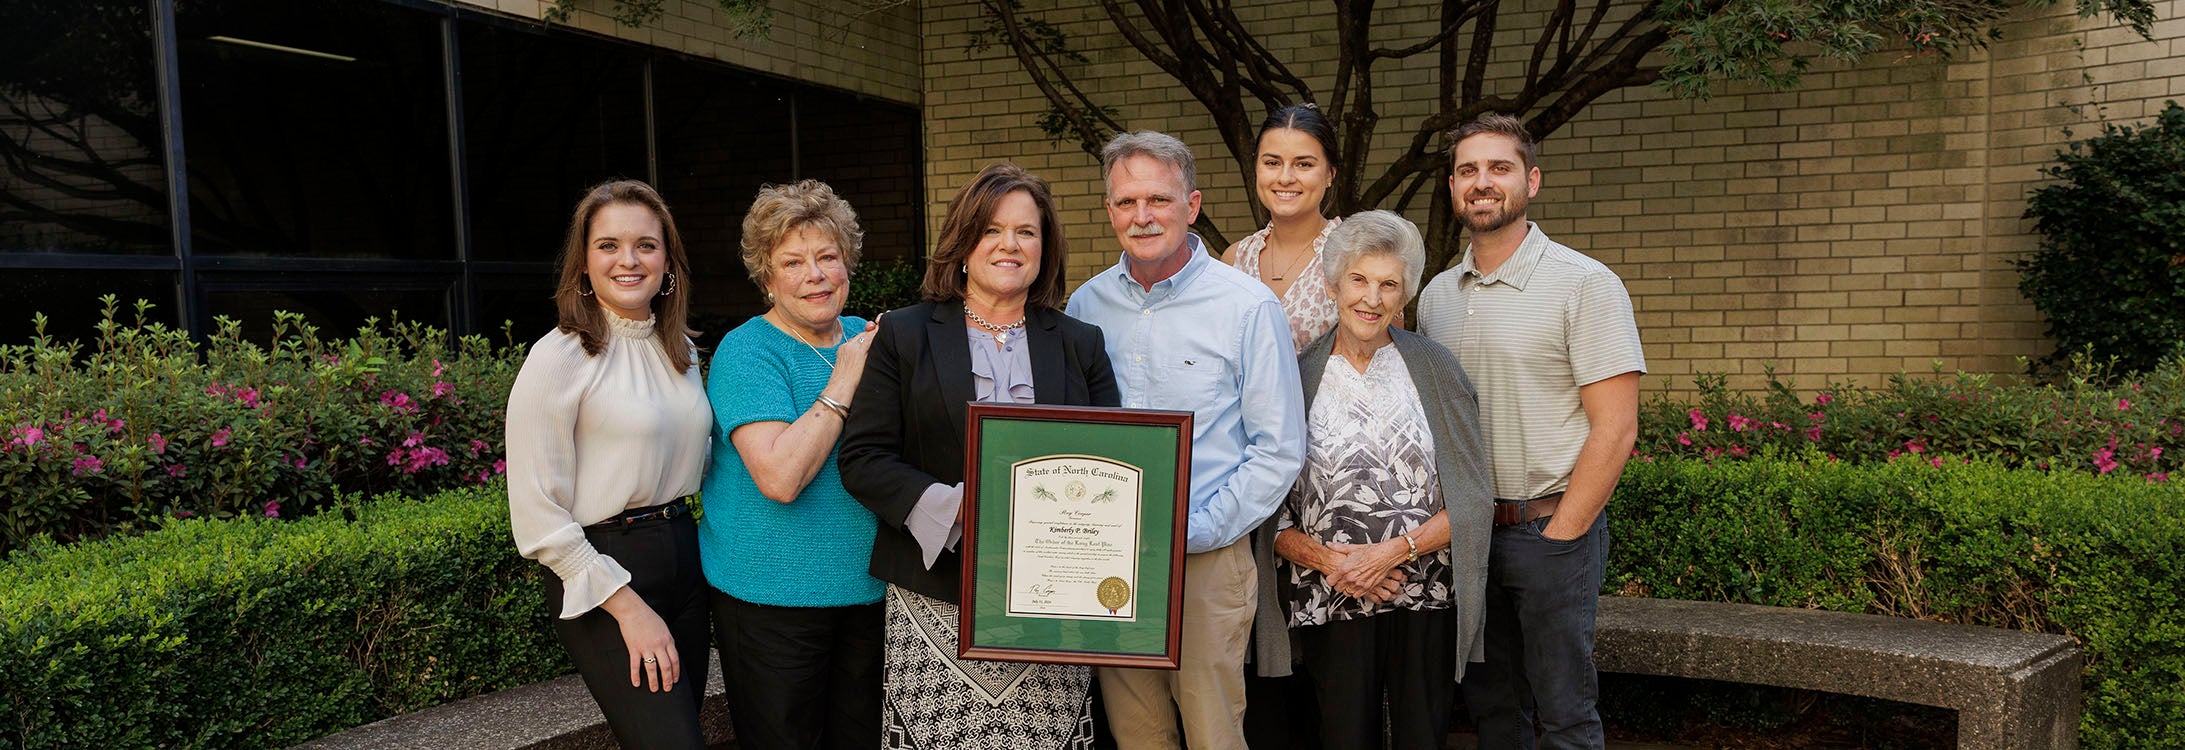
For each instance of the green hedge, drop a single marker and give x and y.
(250, 633)
(2101, 559)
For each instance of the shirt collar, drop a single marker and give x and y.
(1519, 268)
(1168, 287)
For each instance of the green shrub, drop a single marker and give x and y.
(884, 285)
(2101, 559)
(2110, 272)
(2088, 422)
(251, 633)
(144, 424)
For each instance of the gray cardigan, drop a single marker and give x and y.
(1460, 464)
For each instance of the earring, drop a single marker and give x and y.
(585, 289)
(670, 291)
(769, 299)
(964, 269)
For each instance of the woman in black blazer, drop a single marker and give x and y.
(990, 330)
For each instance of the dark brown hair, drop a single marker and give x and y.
(968, 214)
(1496, 123)
(582, 315)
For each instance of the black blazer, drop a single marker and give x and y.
(906, 426)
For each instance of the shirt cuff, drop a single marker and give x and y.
(589, 586)
(934, 521)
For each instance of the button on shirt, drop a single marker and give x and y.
(1546, 322)
(1211, 341)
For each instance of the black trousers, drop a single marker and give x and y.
(662, 558)
(801, 678)
(1409, 656)
(1541, 600)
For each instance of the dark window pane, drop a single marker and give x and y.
(70, 301)
(722, 135)
(867, 150)
(81, 167)
(337, 305)
(315, 129)
(525, 304)
(544, 117)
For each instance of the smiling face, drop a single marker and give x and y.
(1151, 212)
(1490, 184)
(809, 280)
(1006, 260)
(1368, 295)
(1293, 173)
(625, 257)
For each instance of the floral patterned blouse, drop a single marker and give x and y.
(1368, 477)
(1307, 303)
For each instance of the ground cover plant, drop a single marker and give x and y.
(142, 424)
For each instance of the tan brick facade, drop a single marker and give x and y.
(867, 47)
(1857, 226)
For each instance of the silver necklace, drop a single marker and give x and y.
(808, 345)
(1294, 265)
(1001, 333)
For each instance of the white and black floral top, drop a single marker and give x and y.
(1368, 477)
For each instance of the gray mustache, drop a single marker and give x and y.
(1149, 230)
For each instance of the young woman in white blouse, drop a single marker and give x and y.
(607, 437)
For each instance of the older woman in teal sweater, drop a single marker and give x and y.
(796, 617)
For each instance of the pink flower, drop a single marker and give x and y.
(424, 457)
(1739, 423)
(183, 514)
(401, 402)
(1699, 421)
(1737, 450)
(1913, 446)
(249, 398)
(1779, 426)
(1684, 438)
(1894, 454)
(2104, 459)
(1817, 417)
(88, 465)
(441, 389)
(1823, 399)
(27, 436)
(158, 443)
(1813, 434)
(1937, 461)
(273, 509)
(477, 446)
(301, 463)
(500, 466)
(394, 457)
(1713, 452)
(220, 437)
(437, 368)
(2124, 404)
(2160, 476)
(2154, 453)
(178, 471)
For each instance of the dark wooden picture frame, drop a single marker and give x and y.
(1170, 502)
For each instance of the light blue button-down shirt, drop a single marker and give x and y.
(1212, 341)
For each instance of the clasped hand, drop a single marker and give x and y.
(1367, 572)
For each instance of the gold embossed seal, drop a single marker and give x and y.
(1113, 593)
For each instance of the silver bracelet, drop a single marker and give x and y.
(840, 409)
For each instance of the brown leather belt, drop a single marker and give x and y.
(1509, 512)
(671, 509)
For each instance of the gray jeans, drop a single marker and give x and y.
(1541, 598)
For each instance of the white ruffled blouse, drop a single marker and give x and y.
(592, 436)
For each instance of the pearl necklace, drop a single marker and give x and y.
(1001, 333)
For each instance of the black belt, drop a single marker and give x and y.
(671, 509)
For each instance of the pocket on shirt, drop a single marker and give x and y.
(1198, 384)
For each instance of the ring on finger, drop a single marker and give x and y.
(652, 660)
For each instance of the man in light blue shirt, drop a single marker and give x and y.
(1189, 333)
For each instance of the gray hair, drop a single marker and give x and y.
(1151, 143)
(1375, 233)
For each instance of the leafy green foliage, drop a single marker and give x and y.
(884, 285)
(2091, 420)
(747, 19)
(2110, 273)
(251, 633)
(146, 425)
(2100, 559)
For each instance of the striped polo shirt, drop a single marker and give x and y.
(1546, 322)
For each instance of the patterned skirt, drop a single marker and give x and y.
(934, 700)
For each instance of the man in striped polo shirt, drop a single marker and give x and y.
(1546, 335)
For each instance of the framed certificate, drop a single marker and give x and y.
(1074, 534)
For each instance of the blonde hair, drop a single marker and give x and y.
(780, 210)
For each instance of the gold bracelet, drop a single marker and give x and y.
(840, 409)
(1414, 556)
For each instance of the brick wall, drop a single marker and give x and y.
(1860, 225)
(863, 46)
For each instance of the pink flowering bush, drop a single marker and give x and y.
(2090, 420)
(143, 424)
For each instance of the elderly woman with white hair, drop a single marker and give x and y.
(1384, 537)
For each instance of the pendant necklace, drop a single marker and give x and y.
(808, 345)
(1294, 265)
(1001, 333)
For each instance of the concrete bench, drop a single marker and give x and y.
(553, 715)
(2012, 690)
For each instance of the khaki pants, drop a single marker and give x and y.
(1221, 590)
